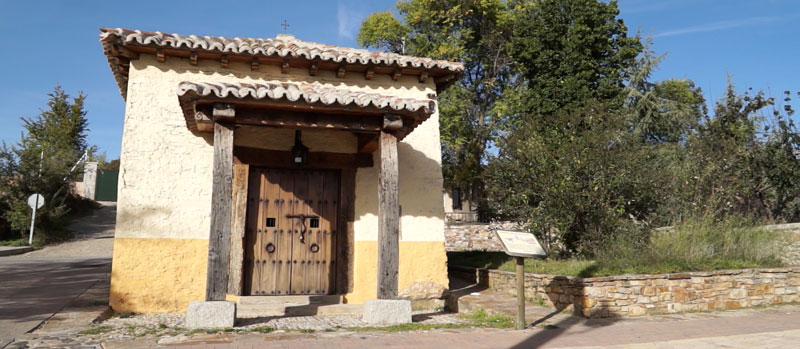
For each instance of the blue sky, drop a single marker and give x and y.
(49, 42)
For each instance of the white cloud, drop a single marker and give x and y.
(348, 20)
(721, 25)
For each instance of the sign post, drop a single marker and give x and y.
(35, 201)
(520, 245)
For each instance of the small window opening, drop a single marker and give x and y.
(314, 223)
(270, 222)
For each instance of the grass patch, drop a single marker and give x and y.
(95, 330)
(14, 243)
(697, 245)
(700, 244)
(502, 261)
(262, 329)
(480, 318)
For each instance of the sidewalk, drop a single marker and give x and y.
(764, 328)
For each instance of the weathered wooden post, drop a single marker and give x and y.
(520, 293)
(520, 245)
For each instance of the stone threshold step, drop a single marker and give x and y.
(292, 299)
(264, 310)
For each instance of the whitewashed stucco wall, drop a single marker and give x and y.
(165, 174)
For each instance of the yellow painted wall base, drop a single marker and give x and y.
(420, 261)
(164, 275)
(157, 275)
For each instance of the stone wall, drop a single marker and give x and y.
(475, 237)
(635, 295)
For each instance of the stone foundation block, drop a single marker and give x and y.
(387, 312)
(213, 314)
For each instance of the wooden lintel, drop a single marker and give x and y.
(193, 57)
(369, 73)
(388, 218)
(313, 69)
(342, 71)
(423, 76)
(392, 122)
(223, 61)
(281, 158)
(223, 112)
(160, 55)
(303, 120)
(367, 142)
(220, 232)
(203, 122)
(396, 74)
(254, 64)
(285, 66)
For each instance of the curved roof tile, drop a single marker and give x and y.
(310, 93)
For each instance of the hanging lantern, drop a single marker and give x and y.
(299, 151)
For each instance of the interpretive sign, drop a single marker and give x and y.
(520, 244)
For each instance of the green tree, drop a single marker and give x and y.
(571, 51)
(476, 32)
(42, 162)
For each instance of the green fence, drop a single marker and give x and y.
(106, 188)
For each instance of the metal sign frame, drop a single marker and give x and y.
(512, 240)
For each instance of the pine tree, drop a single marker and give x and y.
(42, 162)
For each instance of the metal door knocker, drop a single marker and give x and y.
(314, 248)
(302, 219)
(270, 247)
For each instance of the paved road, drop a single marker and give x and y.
(35, 285)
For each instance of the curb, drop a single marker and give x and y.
(10, 251)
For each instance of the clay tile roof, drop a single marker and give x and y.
(310, 93)
(302, 96)
(282, 46)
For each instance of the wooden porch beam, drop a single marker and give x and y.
(388, 217)
(300, 120)
(220, 234)
(316, 159)
(367, 142)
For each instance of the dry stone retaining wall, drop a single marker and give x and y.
(635, 295)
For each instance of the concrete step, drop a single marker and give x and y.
(294, 299)
(295, 305)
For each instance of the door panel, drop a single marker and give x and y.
(290, 238)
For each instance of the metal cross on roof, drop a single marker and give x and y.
(284, 25)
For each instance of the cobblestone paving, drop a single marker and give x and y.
(168, 328)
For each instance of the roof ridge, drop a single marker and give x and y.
(254, 46)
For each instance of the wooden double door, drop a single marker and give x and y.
(291, 231)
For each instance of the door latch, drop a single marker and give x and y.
(302, 218)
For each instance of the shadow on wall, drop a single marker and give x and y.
(416, 200)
